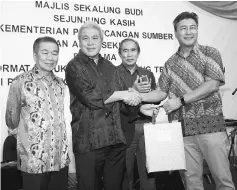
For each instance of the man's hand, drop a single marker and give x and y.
(142, 87)
(172, 104)
(150, 109)
(132, 98)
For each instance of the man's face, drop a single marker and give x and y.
(187, 33)
(46, 57)
(90, 42)
(129, 53)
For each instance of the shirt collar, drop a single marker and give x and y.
(39, 75)
(194, 50)
(85, 58)
(136, 68)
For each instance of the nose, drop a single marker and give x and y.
(129, 53)
(90, 42)
(50, 56)
(188, 30)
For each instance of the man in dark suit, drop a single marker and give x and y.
(143, 81)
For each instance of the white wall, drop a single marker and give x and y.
(157, 17)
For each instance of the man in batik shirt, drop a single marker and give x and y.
(35, 108)
(191, 80)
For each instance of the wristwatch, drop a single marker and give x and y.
(182, 101)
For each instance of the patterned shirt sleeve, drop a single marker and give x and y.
(77, 82)
(214, 67)
(164, 79)
(13, 109)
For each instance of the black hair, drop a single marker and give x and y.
(43, 39)
(127, 40)
(185, 15)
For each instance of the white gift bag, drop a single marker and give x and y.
(164, 146)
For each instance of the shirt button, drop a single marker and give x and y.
(106, 113)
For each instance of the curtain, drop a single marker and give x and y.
(225, 9)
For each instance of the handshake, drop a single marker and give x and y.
(141, 85)
(132, 97)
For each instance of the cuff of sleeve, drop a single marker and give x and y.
(107, 107)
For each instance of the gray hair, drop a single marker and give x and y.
(91, 24)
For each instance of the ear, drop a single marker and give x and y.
(175, 34)
(35, 56)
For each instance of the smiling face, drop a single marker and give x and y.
(46, 56)
(129, 53)
(90, 42)
(187, 32)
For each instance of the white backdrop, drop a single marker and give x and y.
(150, 23)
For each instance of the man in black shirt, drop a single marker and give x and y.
(95, 92)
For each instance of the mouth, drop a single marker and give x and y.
(188, 38)
(50, 64)
(90, 49)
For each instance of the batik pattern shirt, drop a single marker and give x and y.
(183, 75)
(35, 107)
